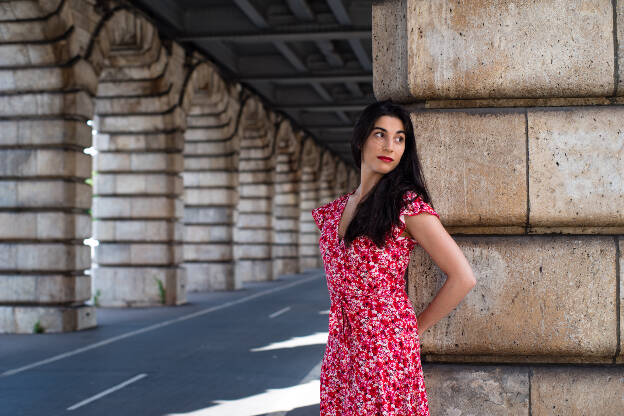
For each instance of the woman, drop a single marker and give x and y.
(371, 364)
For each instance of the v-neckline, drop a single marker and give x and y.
(341, 212)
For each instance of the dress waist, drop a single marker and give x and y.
(346, 300)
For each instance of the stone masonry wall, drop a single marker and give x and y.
(197, 185)
(519, 125)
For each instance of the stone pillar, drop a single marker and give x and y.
(353, 180)
(45, 102)
(327, 178)
(520, 134)
(138, 187)
(309, 254)
(286, 201)
(342, 179)
(210, 179)
(253, 230)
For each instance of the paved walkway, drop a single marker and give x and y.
(255, 351)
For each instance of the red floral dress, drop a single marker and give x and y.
(371, 364)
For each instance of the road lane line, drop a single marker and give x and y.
(156, 326)
(314, 374)
(107, 391)
(281, 311)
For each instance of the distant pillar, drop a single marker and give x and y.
(210, 179)
(45, 102)
(309, 254)
(253, 229)
(285, 249)
(138, 203)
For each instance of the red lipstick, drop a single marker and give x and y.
(385, 158)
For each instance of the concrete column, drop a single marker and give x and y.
(342, 179)
(210, 180)
(45, 102)
(309, 254)
(285, 249)
(353, 179)
(138, 188)
(327, 178)
(253, 230)
(519, 129)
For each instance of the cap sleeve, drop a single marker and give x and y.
(320, 214)
(414, 204)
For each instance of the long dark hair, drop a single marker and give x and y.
(378, 211)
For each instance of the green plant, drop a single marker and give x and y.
(37, 328)
(89, 181)
(161, 289)
(96, 298)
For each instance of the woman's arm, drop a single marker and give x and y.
(433, 237)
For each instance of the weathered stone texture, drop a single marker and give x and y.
(535, 295)
(576, 166)
(477, 390)
(577, 391)
(477, 165)
(492, 49)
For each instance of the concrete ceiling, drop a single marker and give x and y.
(310, 59)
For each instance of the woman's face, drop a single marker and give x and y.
(386, 141)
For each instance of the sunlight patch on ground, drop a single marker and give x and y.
(317, 338)
(272, 400)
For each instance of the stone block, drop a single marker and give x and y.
(247, 250)
(284, 266)
(44, 162)
(44, 289)
(44, 257)
(76, 104)
(253, 235)
(208, 233)
(44, 225)
(208, 215)
(137, 183)
(209, 179)
(79, 75)
(477, 390)
(205, 147)
(52, 319)
(139, 230)
(251, 219)
(535, 296)
(136, 207)
(254, 270)
(44, 132)
(254, 205)
(476, 162)
(140, 142)
(208, 277)
(210, 196)
(208, 252)
(44, 194)
(576, 173)
(503, 49)
(577, 391)
(253, 177)
(138, 254)
(202, 133)
(228, 162)
(139, 286)
(139, 162)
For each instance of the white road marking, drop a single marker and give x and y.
(155, 326)
(312, 376)
(107, 391)
(281, 311)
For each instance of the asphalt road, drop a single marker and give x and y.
(255, 351)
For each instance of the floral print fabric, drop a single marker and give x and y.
(371, 364)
